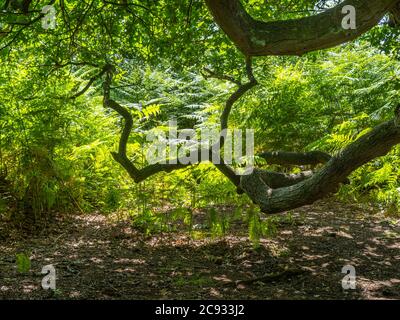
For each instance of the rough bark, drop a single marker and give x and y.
(394, 17)
(297, 36)
(376, 143)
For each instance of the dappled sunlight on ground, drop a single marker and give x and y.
(97, 259)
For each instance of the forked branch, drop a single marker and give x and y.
(139, 175)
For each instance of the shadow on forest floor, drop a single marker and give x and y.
(96, 259)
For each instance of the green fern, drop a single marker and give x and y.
(23, 263)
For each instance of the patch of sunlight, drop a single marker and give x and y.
(133, 261)
(28, 288)
(223, 278)
(125, 270)
(96, 260)
(75, 294)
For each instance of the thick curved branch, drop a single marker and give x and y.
(296, 36)
(312, 158)
(235, 96)
(378, 142)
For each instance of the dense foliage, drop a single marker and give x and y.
(55, 146)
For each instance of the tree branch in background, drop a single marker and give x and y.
(239, 93)
(312, 158)
(89, 84)
(208, 73)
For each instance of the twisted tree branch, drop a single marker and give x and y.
(139, 175)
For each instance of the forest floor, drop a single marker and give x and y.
(96, 258)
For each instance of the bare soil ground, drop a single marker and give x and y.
(98, 259)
